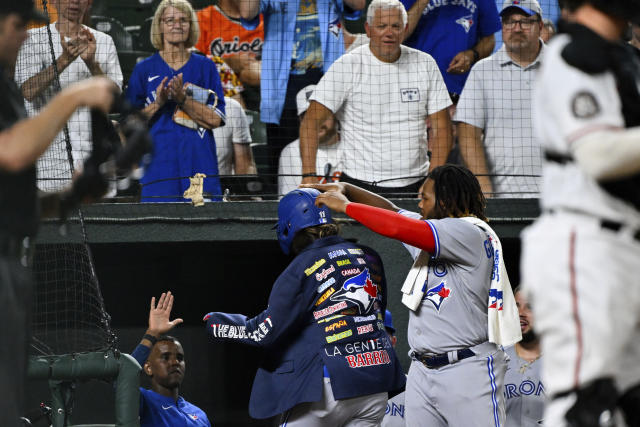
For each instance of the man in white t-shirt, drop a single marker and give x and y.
(80, 52)
(232, 142)
(381, 93)
(328, 161)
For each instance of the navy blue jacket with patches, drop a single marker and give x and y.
(325, 309)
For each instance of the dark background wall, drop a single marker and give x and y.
(230, 276)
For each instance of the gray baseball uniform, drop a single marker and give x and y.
(523, 391)
(453, 316)
(394, 414)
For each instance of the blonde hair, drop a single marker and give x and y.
(183, 6)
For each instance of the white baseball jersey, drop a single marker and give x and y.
(588, 103)
(328, 164)
(35, 55)
(235, 131)
(382, 109)
(579, 262)
(523, 391)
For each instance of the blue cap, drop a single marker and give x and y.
(388, 321)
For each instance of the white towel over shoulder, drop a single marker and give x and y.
(504, 320)
(413, 288)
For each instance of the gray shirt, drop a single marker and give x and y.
(453, 312)
(523, 391)
(497, 98)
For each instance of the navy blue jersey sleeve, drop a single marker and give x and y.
(286, 311)
(141, 353)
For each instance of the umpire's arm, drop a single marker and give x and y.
(22, 143)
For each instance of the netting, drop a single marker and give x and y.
(68, 311)
(376, 122)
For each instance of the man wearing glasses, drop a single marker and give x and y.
(494, 113)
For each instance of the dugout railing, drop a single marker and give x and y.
(62, 372)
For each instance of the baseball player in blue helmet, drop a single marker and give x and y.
(296, 211)
(328, 358)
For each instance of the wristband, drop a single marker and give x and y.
(476, 55)
(153, 340)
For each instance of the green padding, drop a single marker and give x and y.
(124, 370)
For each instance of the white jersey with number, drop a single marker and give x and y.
(382, 109)
(569, 104)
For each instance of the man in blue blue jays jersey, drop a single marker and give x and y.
(329, 360)
(162, 359)
(457, 33)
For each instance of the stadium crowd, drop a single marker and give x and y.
(354, 118)
(252, 104)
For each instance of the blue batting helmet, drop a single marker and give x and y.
(388, 321)
(297, 210)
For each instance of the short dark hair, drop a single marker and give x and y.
(165, 338)
(457, 191)
(308, 235)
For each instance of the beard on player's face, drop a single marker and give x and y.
(529, 336)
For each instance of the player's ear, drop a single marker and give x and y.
(147, 369)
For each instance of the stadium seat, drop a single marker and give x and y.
(121, 37)
(143, 41)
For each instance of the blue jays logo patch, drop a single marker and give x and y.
(495, 299)
(466, 22)
(359, 290)
(438, 294)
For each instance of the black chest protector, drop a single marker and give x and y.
(592, 54)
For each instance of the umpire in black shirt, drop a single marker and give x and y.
(22, 141)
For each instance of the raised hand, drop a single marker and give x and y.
(88, 40)
(334, 200)
(72, 47)
(160, 314)
(176, 89)
(162, 92)
(338, 187)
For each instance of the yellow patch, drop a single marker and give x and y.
(309, 271)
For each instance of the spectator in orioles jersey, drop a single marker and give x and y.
(236, 51)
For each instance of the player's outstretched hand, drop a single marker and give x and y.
(160, 314)
(333, 200)
(338, 187)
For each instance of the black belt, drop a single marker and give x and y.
(606, 224)
(440, 360)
